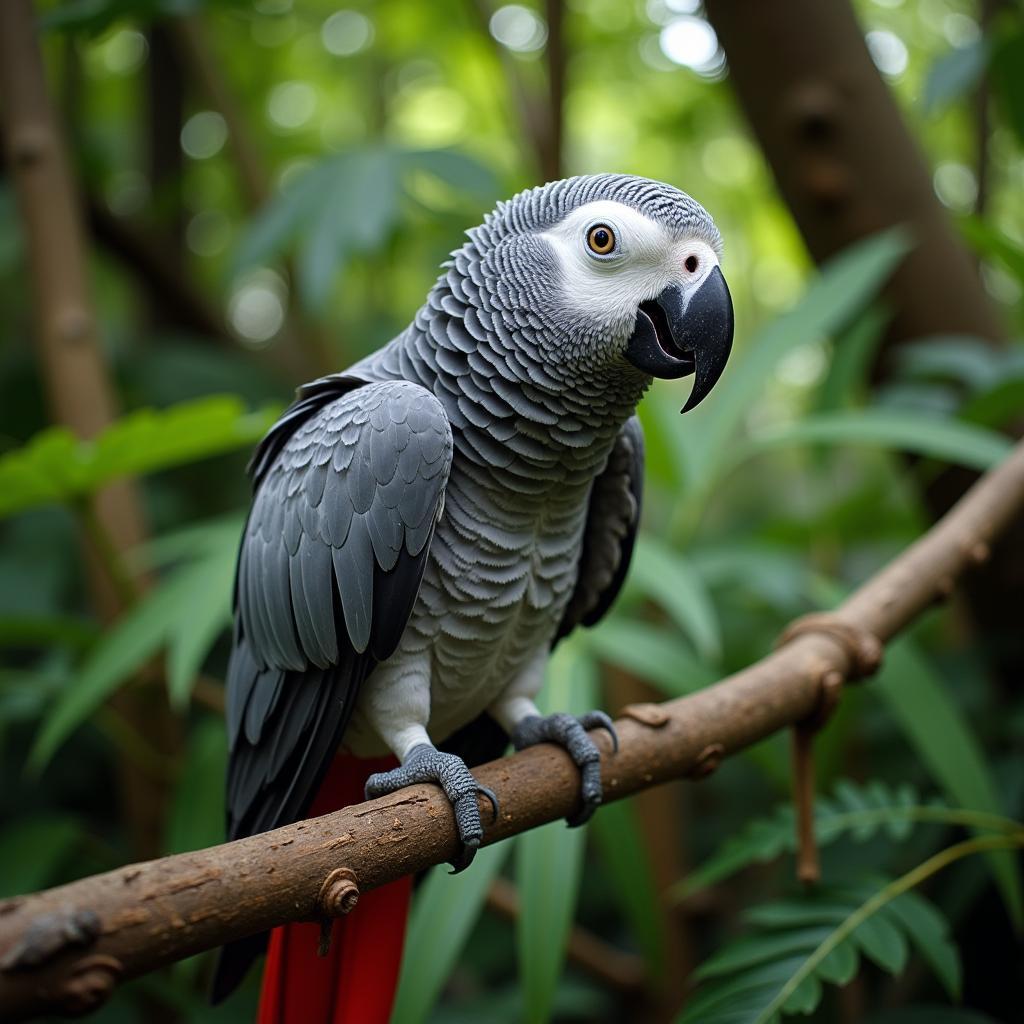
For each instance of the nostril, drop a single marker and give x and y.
(691, 263)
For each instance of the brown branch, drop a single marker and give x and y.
(67, 947)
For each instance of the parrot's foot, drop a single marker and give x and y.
(571, 733)
(428, 764)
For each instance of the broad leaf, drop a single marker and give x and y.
(549, 860)
(167, 615)
(664, 576)
(444, 912)
(56, 466)
(944, 741)
(846, 283)
(952, 441)
(954, 74)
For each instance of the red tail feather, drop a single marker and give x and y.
(355, 982)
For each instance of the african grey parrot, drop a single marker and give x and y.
(427, 524)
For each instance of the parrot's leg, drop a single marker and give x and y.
(396, 705)
(522, 720)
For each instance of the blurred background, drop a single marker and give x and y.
(265, 191)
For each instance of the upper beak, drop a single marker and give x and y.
(674, 337)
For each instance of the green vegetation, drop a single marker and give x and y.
(300, 206)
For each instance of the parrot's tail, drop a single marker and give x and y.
(355, 983)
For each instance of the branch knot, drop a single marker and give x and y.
(862, 648)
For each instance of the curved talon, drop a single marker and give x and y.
(489, 793)
(599, 720)
(425, 763)
(570, 733)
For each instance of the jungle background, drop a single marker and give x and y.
(265, 191)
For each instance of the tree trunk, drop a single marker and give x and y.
(842, 155)
(73, 363)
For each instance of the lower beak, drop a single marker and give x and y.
(674, 338)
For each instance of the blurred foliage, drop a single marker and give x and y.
(310, 210)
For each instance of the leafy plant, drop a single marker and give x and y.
(56, 466)
(799, 943)
(184, 614)
(857, 812)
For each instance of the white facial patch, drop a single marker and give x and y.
(647, 259)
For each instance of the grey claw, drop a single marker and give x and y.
(571, 734)
(599, 720)
(489, 793)
(427, 764)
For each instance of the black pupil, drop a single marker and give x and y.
(601, 238)
(691, 263)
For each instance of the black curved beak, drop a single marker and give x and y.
(674, 338)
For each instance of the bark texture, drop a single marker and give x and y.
(65, 949)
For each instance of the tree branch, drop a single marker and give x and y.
(65, 949)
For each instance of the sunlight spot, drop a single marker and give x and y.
(256, 306)
(518, 28)
(291, 104)
(208, 233)
(203, 135)
(888, 51)
(804, 366)
(960, 29)
(123, 51)
(1000, 285)
(692, 42)
(127, 193)
(346, 32)
(956, 186)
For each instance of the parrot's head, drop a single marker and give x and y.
(613, 274)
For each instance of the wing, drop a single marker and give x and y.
(349, 490)
(610, 532)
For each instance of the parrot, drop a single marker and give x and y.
(428, 524)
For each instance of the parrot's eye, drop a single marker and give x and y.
(691, 264)
(601, 239)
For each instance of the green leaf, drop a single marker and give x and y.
(209, 583)
(197, 814)
(949, 440)
(56, 466)
(354, 215)
(32, 851)
(845, 284)
(796, 944)
(549, 860)
(852, 355)
(168, 614)
(954, 74)
(664, 576)
(929, 932)
(655, 654)
(883, 942)
(443, 914)
(619, 841)
(944, 741)
(456, 169)
(994, 244)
